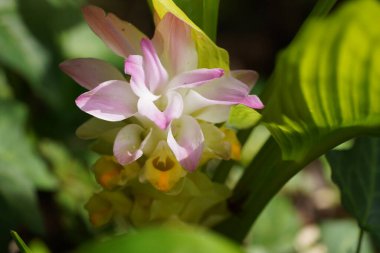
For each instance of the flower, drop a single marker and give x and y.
(172, 102)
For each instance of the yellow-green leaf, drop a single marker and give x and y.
(326, 85)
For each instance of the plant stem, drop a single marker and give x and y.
(360, 239)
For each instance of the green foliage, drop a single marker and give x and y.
(17, 42)
(276, 228)
(164, 239)
(341, 236)
(357, 174)
(20, 243)
(324, 91)
(243, 117)
(326, 86)
(21, 172)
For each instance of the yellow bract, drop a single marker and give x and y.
(162, 169)
(230, 137)
(110, 175)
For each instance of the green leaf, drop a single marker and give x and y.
(324, 91)
(281, 215)
(357, 174)
(20, 243)
(21, 172)
(163, 240)
(341, 236)
(16, 151)
(204, 13)
(19, 49)
(242, 117)
(327, 94)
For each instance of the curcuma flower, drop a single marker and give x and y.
(169, 105)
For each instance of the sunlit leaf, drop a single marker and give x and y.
(324, 91)
(326, 85)
(242, 117)
(209, 55)
(357, 174)
(163, 240)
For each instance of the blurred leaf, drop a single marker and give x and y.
(163, 240)
(16, 152)
(21, 172)
(276, 228)
(341, 236)
(18, 201)
(20, 243)
(209, 55)
(19, 49)
(5, 90)
(324, 91)
(74, 44)
(76, 184)
(357, 174)
(242, 117)
(38, 246)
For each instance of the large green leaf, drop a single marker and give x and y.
(357, 174)
(324, 91)
(163, 240)
(326, 85)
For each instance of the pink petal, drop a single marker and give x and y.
(122, 37)
(155, 74)
(249, 77)
(128, 145)
(187, 145)
(195, 78)
(112, 101)
(134, 67)
(162, 119)
(229, 91)
(89, 72)
(175, 45)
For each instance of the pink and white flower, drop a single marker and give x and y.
(167, 93)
